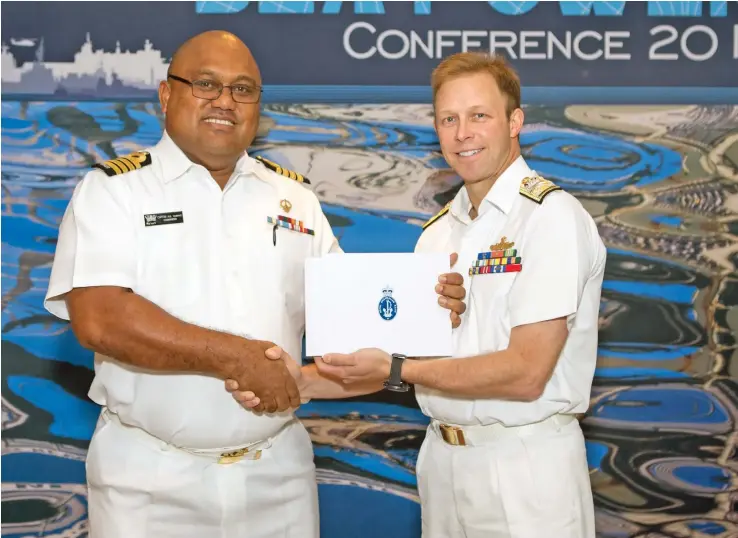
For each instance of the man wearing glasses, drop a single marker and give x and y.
(181, 267)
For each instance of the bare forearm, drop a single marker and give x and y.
(314, 385)
(501, 375)
(133, 330)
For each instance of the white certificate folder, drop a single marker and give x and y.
(387, 301)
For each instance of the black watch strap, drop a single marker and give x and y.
(395, 382)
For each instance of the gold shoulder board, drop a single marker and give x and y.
(127, 163)
(437, 216)
(283, 171)
(536, 188)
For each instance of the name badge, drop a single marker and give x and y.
(157, 219)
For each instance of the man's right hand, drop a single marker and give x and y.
(270, 380)
(248, 398)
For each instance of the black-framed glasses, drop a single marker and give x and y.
(211, 90)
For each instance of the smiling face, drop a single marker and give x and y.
(477, 138)
(216, 132)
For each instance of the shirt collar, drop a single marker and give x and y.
(502, 195)
(175, 163)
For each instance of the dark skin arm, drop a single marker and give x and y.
(118, 323)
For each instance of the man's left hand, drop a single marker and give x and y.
(452, 292)
(364, 365)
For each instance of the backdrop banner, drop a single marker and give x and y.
(122, 49)
(631, 107)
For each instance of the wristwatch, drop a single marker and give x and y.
(395, 382)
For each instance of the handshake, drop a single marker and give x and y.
(364, 370)
(274, 382)
(270, 373)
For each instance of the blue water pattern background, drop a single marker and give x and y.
(661, 440)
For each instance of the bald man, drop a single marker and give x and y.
(181, 267)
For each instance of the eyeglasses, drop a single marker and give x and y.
(211, 90)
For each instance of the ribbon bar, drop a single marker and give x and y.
(497, 261)
(509, 253)
(290, 224)
(513, 268)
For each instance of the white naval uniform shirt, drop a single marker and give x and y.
(563, 263)
(219, 269)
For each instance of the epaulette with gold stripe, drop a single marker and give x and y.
(283, 171)
(127, 163)
(536, 188)
(437, 216)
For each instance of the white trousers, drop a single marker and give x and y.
(138, 486)
(523, 485)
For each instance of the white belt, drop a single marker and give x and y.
(222, 455)
(479, 435)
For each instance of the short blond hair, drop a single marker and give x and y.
(471, 63)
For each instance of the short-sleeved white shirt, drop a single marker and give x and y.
(218, 269)
(563, 263)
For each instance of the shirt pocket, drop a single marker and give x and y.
(489, 295)
(491, 288)
(171, 266)
(292, 249)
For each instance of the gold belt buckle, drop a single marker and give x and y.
(227, 458)
(453, 435)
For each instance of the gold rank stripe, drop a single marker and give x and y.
(123, 164)
(115, 165)
(497, 261)
(131, 165)
(126, 163)
(286, 172)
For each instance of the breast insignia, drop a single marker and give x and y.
(283, 171)
(127, 163)
(503, 244)
(437, 216)
(536, 188)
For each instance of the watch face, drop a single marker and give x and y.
(402, 387)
